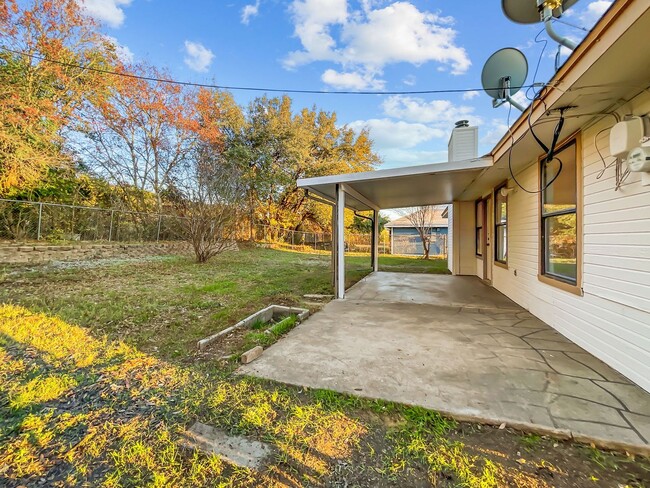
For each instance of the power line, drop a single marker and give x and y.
(242, 88)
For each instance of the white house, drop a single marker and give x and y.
(573, 250)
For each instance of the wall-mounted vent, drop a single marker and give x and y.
(463, 143)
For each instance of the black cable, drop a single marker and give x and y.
(546, 161)
(242, 88)
(530, 114)
(539, 60)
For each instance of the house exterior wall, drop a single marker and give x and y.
(407, 241)
(464, 260)
(611, 319)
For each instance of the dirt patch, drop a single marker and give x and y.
(224, 347)
(542, 461)
(515, 458)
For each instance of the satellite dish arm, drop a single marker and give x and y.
(515, 104)
(546, 9)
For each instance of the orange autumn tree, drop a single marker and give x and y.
(139, 136)
(41, 89)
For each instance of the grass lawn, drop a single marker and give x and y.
(99, 378)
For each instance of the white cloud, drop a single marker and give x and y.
(198, 57)
(411, 121)
(122, 52)
(250, 11)
(110, 12)
(396, 157)
(471, 94)
(351, 80)
(387, 133)
(495, 131)
(312, 20)
(594, 12)
(410, 80)
(369, 39)
(442, 113)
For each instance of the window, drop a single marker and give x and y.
(559, 225)
(480, 205)
(501, 226)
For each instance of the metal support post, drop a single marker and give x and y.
(40, 219)
(158, 233)
(340, 241)
(110, 228)
(375, 241)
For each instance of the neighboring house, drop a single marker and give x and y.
(576, 254)
(405, 237)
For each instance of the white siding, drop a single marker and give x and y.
(450, 238)
(463, 229)
(463, 144)
(612, 318)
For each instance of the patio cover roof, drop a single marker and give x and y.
(429, 184)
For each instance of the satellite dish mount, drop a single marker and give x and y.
(547, 7)
(533, 11)
(504, 95)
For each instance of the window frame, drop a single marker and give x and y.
(549, 278)
(497, 224)
(478, 243)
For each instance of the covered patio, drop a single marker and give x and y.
(453, 344)
(428, 184)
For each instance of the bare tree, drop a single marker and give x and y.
(422, 218)
(209, 197)
(139, 135)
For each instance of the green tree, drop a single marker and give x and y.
(364, 226)
(284, 146)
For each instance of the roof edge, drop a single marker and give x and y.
(433, 168)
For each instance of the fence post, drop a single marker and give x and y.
(110, 228)
(158, 234)
(40, 219)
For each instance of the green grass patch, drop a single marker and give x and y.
(271, 332)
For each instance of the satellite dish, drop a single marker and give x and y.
(533, 11)
(504, 73)
(528, 11)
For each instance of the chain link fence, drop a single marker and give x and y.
(36, 221)
(412, 245)
(40, 221)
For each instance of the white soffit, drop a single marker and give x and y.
(429, 184)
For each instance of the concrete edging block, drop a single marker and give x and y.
(263, 315)
(251, 355)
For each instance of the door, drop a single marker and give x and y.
(488, 224)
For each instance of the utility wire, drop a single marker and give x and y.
(241, 88)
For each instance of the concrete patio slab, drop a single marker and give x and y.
(457, 346)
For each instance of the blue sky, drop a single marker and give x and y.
(345, 45)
